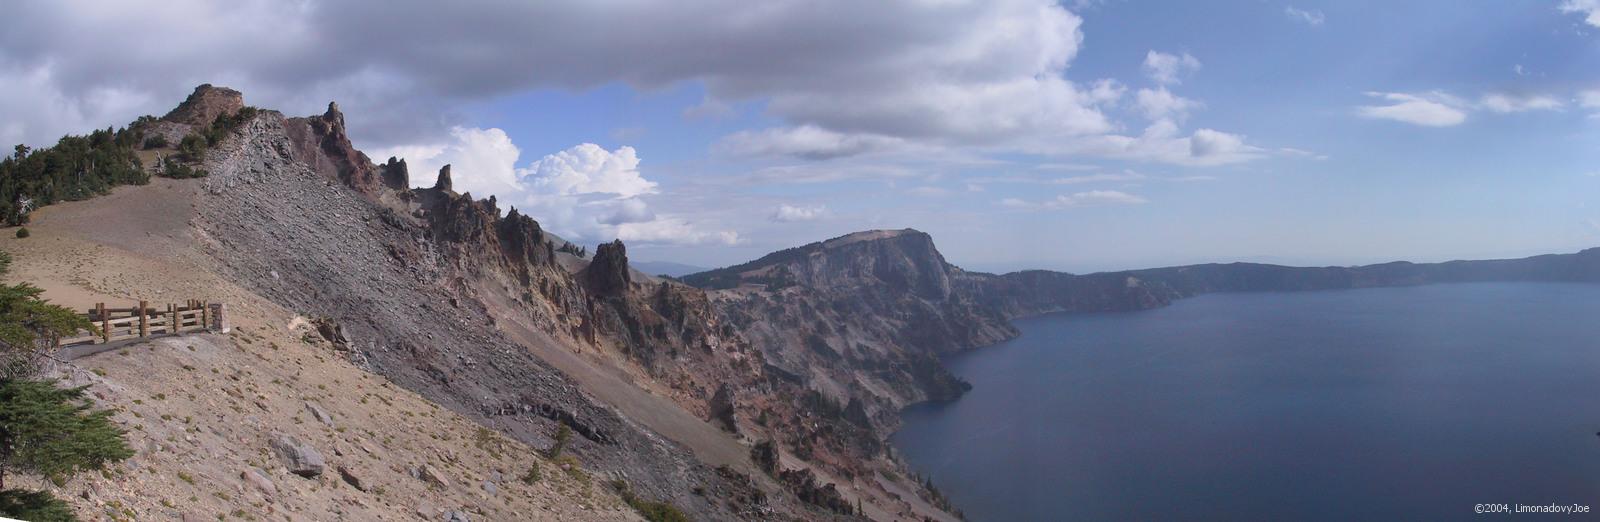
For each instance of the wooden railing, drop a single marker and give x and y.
(116, 324)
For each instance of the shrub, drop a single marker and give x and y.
(38, 506)
(563, 436)
(22, 232)
(155, 141)
(533, 475)
(177, 170)
(651, 510)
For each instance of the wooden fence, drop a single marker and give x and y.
(116, 324)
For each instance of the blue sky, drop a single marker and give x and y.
(1020, 133)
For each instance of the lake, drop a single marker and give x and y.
(1394, 403)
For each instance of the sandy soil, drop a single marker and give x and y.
(199, 409)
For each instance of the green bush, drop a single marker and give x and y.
(177, 170)
(37, 506)
(22, 232)
(155, 141)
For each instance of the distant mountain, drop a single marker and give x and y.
(667, 268)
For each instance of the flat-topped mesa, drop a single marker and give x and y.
(904, 260)
(204, 105)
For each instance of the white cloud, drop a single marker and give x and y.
(1590, 9)
(1166, 68)
(1162, 142)
(805, 142)
(584, 193)
(589, 169)
(482, 161)
(1077, 199)
(1312, 17)
(631, 210)
(1589, 99)
(786, 213)
(1159, 104)
(1504, 103)
(1432, 109)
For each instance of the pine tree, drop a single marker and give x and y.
(44, 430)
(28, 326)
(54, 432)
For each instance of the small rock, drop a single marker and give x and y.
(320, 414)
(257, 478)
(300, 458)
(433, 476)
(351, 478)
(491, 488)
(456, 516)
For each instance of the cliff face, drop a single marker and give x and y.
(859, 320)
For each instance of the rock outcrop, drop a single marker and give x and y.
(204, 105)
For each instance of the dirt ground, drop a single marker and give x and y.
(200, 409)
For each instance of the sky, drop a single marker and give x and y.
(1084, 135)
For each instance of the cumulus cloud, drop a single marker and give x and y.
(1166, 68)
(589, 169)
(1432, 109)
(1311, 17)
(1077, 199)
(583, 193)
(786, 213)
(1590, 9)
(1159, 103)
(950, 74)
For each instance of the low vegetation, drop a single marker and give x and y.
(45, 430)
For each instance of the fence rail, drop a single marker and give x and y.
(116, 324)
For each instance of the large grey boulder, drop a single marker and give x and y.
(299, 457)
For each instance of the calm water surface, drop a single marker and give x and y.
(1396, 403)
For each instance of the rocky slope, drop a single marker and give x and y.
(471, 307)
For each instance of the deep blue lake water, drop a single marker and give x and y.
(1379, 404)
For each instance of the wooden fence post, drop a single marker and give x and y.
(172, 318)
(105, 322)
(144, 319)
(205, 316)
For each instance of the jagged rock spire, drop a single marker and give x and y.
(607, 274)
(395, 174)
(443, 183)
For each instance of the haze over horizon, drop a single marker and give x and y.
(1082, 136)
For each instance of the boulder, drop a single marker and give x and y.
(300, 458)
(256, 478)
(320, 414)
(433, 476)
(722, 407)
(456, 515)
(350, 477)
